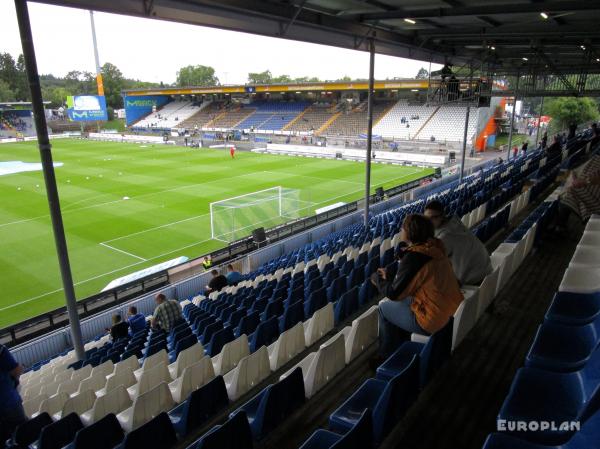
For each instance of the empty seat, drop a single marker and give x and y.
(574, 308)
(81, 373)
(234, 433)
(149, 379)
(289, 344)
(147, 406)
(346, 305)
(186, 358)
(358, 437)
(274, 404)
(230, 354)
(321, 366)
(292, 315)
(122, 377)
(53, 404)
(200, 406)
(156, 433)
(28, 432)
(114, 401)
(31, 406)
(103, 370)
(95, 383)
(193, 377)
(59, 433)
(151, 361)
(266, 333)
(361, 334)
(250, 371)
(388, 401)
(466, 314)
(103, 434)
(218, 340)
(69, 386)
(487, 291)
(320, 324)
(78, 404)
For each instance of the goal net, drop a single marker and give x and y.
(234, 218)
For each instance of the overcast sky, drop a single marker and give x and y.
(153, 50)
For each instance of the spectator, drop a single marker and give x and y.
(119, 328)
(137, 321)
(207, 262)
(217, 282)
(544, 140)
(555, 148)
(233, 276)
(582, 196)
(515, 151)
(423, 295)
(469, 257)
(12, 413)
(524, 148)
(166, 314)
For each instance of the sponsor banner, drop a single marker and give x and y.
(86, 108)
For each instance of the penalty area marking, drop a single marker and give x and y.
(123, 252)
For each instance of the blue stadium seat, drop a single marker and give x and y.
(103, 434)
(574, 308)
(265, 334)
(232, 434)
(274, 404)
(248, 324)
(235, 318)
(154, 348)
(358, 437)
(218, 340)
(274, 308)
(60, 433)
(432, 355)
(388, 401)
(315, 301)
(200, 406)
(209, 331)
(292, 315)
(336, 289)
(366, 292)
(156, 433)
(563, 347)
(542, 395)
(182, 345)
(28, 432)
(346, 305)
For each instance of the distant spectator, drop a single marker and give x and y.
(207, 262)
(515, 151)
(423, 295)
(167, 313)
(12, 413)
(137, 321)
(544, 140)
(233, 276)
(469, 257)
(524, 147)
(119, 328)
(555, 148)
(217, 282)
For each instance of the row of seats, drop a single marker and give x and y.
(559, 384)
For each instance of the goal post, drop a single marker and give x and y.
(234, 218)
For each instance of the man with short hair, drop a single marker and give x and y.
(12, 413)
(217, 282)
(469, 257)
(137, 321)
(233, 276)
(167, 313)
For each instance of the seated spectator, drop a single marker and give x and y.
(217, 282)
(469, 257)
(233, 277)
(207, 262)
(555, 148)
(423, 295)
(12, 413)
(137, 321)
(167, 313)
(119, 328)
(582, 194)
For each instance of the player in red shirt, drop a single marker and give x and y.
(232, 152)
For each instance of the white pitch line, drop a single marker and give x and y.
(123, 252)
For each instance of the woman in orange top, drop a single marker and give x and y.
(424, 294)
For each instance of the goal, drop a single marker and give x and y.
(234, 218)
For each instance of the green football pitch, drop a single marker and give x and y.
(166, 215)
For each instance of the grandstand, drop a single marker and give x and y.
(287, 357)
(171, 115)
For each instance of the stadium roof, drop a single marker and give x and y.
(508, 33)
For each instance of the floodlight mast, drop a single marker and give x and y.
(99, 81)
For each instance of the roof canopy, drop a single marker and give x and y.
(497, 32)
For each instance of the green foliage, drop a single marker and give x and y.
(422, 74)
(13, 74)
(6, 93)
(260, 77)
(113, 84)
(567, 110)
(197, 75)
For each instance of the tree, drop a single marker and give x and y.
(281, 79)
(260, 77)
(21, 84)
(344, 79)
(57, 96)
(113, 84)
(422, 74)
(6, 93)
(8, 70)
(197, 75)
(568, 110)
